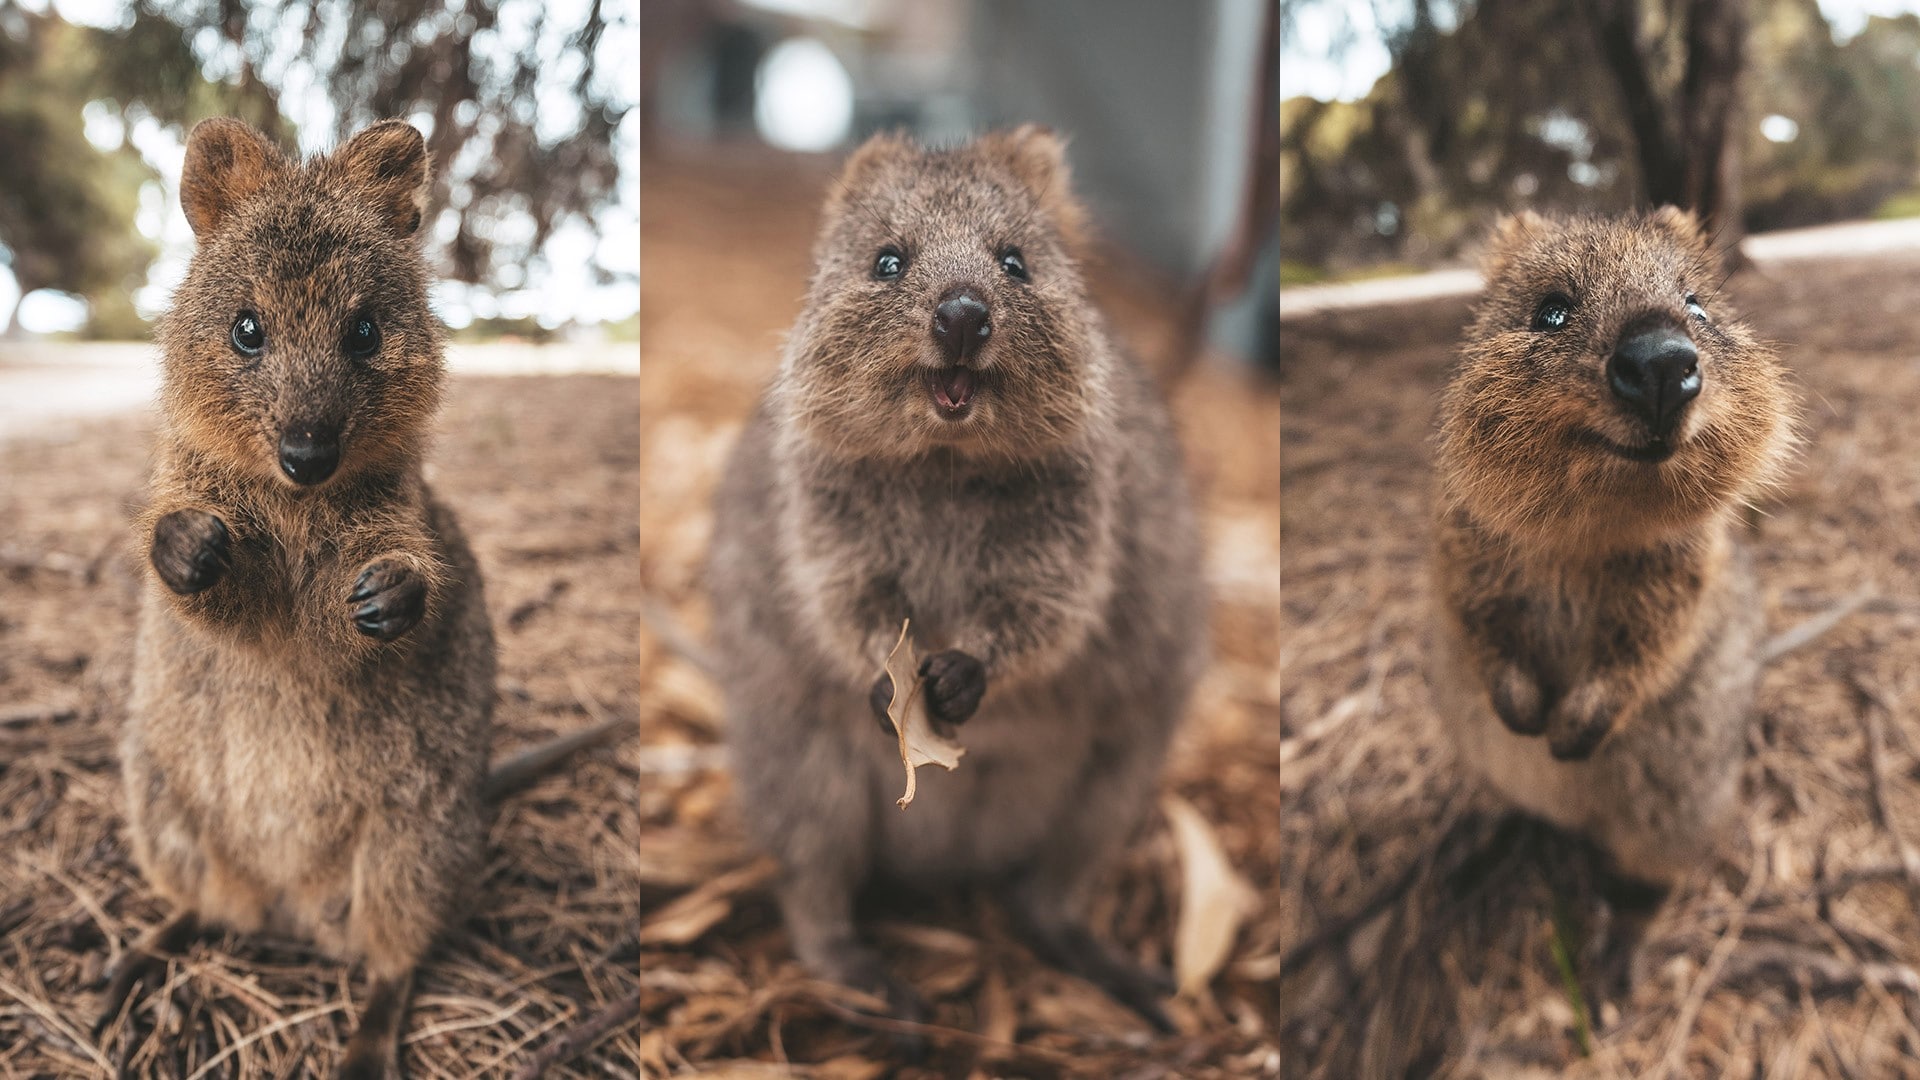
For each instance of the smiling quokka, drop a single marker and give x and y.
(1599, 622)
(314, 675)
(954, 437)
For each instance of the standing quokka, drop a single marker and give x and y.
(314, 672)
(954, 437)
(1597, 645)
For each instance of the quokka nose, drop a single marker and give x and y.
(960, 325)
(1655, 371)
(309, 452)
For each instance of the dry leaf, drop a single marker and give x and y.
(1214, 899)
(920, 744)
(684, 920)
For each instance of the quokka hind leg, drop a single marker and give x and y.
(145, 957)
(373, 1051)
(1039, 907)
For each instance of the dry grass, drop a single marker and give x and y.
(726, 240)
(1800, 963)
(542, 472)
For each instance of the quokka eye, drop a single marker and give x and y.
(247, 335)
(889, 264)
(363, 337)
(1013, 264)
(1553, 314)
(1694, 309)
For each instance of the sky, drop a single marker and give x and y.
(560, 288)
(1309, 66)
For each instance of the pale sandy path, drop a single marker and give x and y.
(46, 385)
(1819, 242)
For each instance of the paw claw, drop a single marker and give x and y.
(392, 599)
(1518, 701)
(191, 551)
(955, 683)
(1581, 721)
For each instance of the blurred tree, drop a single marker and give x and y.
(66, 207)
(520, 109)
(518, 105)
(1686, 131)
(1751, 112)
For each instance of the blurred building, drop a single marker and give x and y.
(1157, 99)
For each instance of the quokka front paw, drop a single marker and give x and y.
(955, 683)
(1582, 720)
(191, 551)
(1518, 700)
(389, 598)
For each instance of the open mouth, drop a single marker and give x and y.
(952, 389)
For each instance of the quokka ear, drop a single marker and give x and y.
(227, 163)
(871, 156)
(1509, 234)
(1682, 225)
(1038, 159)
(386, 165)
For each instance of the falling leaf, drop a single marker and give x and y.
(920, 744)
(1214, 899)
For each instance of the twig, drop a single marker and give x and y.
(1872, 705)
(52, 1020)
(1820, 971)
(947, 1034)
(524, 768)
(1811, 628)
(580, 1039)
(518, 617)
(1674, 1061)
(29, 715)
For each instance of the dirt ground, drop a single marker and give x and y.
(542, 473)
(726, 238)
(1420, 929)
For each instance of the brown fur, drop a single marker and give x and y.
(1044, 548)
(1605, 602)
(285, 768)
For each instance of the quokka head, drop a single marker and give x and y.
(946, 307)
(1607, 393)
(300, 348)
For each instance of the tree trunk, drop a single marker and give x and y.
(1689, 152)
(1710, 112)
(1616, 26)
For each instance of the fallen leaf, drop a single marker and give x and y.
(686, 919)
(850, 1067)
(920, 744)
(1214, 899)
(999, 1023)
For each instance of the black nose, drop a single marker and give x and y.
(1655, 372)
(960, 325)
(309, 452)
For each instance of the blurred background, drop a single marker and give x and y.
(1407, 124)
(527, 108)
(1160, 102)
(1170, 116)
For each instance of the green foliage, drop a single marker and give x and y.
(1472, 120)
(525, 328)
(66, 207)
(473, 71)
(1904, 205)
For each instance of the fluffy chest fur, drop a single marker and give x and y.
(940, 540)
